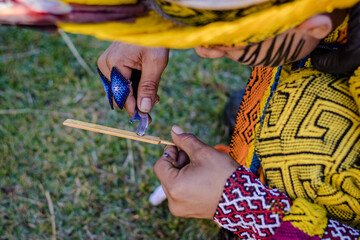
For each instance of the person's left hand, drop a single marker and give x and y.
(150, 61)
(194, 177)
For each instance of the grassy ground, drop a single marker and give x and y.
(82, 185)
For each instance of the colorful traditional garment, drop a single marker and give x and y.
(252, 211)
(187, 26)
(297, 126)
(303, 127)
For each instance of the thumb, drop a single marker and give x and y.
(153, 64)
(187, 142)
(147, 90)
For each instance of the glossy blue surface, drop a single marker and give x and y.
(107, 87)
(118, 88)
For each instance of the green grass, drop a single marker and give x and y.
(99, 185)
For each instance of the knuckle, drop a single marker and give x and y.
(194, 146)
(101, 61)
(188, 139)
(153, 57)
(158, 56)
(171, 150)
(112, 58)
(202, 151)
(175, 192)
(156, 168)
(177, 212)
(149, 86)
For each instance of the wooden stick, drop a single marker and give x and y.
(115, 132)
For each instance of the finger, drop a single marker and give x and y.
(164, 168)
(130, 104)
(182, 160)
(209, 52)
(103, 65)
(154, 63)
(187, 142)
(171, 153)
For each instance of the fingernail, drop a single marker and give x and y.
(177, 130)
(145, 105)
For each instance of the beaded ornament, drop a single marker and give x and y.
(118, 88)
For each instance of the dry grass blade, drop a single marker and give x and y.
(52, 214)
(75, 52)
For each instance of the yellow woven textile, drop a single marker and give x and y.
(309, 217)
(197, 17)
(154, 31)
(354, 83)
(309, 144)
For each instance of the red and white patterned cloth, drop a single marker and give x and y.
(252, 211)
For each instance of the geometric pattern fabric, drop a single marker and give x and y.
(248, 208)
(309, 143)
(252, 211)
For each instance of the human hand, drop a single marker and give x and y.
(194, 177)
(347, 58)
(150, 61)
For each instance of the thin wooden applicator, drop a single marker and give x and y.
(114, 132)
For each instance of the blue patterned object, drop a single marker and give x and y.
(107, 87)
(118, 88)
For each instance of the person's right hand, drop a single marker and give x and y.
(193, 178)
(150, 61)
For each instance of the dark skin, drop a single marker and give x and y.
(150, 61)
